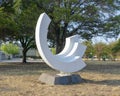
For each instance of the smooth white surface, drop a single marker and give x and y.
(70, 59)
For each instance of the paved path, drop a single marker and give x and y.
(20, 60)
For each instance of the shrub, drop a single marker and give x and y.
(10, 48)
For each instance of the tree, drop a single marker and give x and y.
(22, 21)
(71, 17)
(114, 52)
(116, 47)
(102, 50)
(90, 52)
(26, 25)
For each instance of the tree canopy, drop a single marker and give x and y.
(7, 24)
(88, 18)
(83, 17)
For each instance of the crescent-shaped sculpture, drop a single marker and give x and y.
(70, 59)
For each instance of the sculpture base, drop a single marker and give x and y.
(60, 80)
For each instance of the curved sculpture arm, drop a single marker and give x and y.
(70, 59)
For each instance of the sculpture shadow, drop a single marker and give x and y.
(104, 82)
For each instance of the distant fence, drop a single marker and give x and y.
(30, 53)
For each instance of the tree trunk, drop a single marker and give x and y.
(24, 56)
(60, 41)
(60, 37)
(58, 45)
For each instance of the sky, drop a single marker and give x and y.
(102, 39)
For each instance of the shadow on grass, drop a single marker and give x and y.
(104, 82)
(100, 68)
(37, 68)
(23, 69)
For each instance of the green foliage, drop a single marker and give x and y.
(84, 17)
(7, 23)
(78, 17)
(116, 47)
(90, 52)
(10, 48)
(53, 50)
(102, 50)
(112, 54)
(112, 26)
(8, 6)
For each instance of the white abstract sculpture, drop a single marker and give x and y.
(70, 59)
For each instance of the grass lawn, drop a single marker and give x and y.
(102, 78)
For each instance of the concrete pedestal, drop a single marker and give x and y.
(60, 80)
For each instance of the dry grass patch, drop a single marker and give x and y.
(101, 79)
